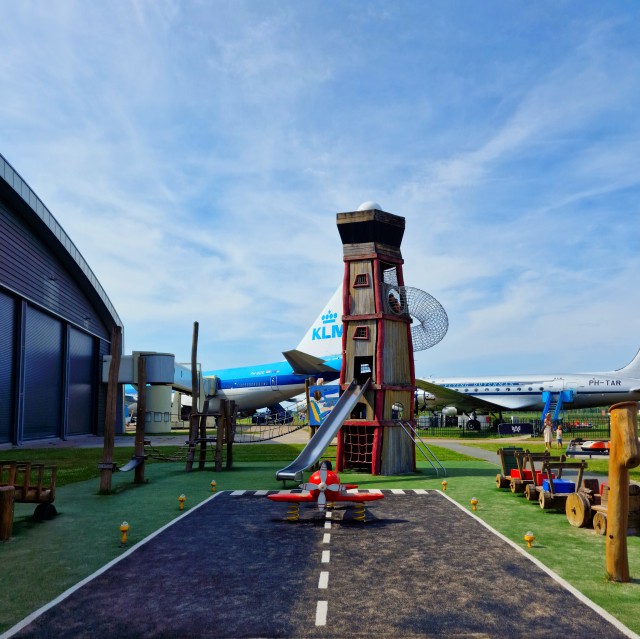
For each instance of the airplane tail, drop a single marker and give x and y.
(632, 369)
(324, 339)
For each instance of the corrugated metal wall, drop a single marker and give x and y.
(7, 362)
(37, 281)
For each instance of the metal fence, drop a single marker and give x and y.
(589, 426)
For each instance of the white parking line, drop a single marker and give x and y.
(321, 613)
(323, 582)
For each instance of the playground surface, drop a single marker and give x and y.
(421, 566)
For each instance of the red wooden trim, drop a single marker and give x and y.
(376, 452)
(340, 451)
(345, 312)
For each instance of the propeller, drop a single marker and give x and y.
(322, 487)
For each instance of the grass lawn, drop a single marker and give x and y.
(44, 559)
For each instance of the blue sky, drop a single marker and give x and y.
(197, 154)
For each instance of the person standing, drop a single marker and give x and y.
(559, 436)
(547, 432)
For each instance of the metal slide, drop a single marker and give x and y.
(325, 433)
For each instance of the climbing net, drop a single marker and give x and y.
(358, 446)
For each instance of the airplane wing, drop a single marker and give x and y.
(355, 496)
(448, 397)
(305, 364)
(292, 497)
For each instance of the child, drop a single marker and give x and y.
(547, 432)
(559, 436)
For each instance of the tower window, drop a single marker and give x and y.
(361, 332)
(361, 280)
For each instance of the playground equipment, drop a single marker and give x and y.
(588, 448)
(624, 454)
(377, 344)
(554, 492)
(26, 483)
(588, 507)
(324, 488)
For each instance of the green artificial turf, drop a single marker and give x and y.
(44, 559)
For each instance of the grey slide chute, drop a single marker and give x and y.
(325, 433)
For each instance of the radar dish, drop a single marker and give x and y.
(429, 321)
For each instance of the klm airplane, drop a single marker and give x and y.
(317, 355)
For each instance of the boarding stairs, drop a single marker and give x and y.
(422, 446)
(554, 402)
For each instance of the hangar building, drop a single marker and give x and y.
(56, 324)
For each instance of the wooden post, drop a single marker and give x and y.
(624, 454)
(230, 426)
(6, 512)
(221, 424)
(203, 435)
(106, 467)
(141, 419)
(195, 398)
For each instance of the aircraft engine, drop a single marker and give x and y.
(449, 411)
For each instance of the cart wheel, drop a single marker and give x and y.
(600, 523)
(544, 499)
(531, 493)
(578, 510)
(44, 512)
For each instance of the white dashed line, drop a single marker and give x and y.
(261, 492)
(329, 514)
(323, 582)
(420, 491)
(327, 525)
(237, 493)
(321, 613)
(325, 556)
(397, 491)
(326, 539)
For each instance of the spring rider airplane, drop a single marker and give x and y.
(324, 487)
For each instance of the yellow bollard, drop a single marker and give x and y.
(444, 485)
(474, 502)
(529, 538)
(182, 499)
(213, 485)
(124, 527)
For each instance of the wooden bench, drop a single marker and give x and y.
(26, 483)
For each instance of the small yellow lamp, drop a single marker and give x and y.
(444, 485)
(529, 538)
(213, 485)
(474, 502)
(124, 527)
(182, 499)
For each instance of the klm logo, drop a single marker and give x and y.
(329, 328)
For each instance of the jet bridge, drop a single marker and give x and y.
(163, 375)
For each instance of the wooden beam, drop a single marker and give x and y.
(141, 419)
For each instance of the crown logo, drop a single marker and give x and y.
(329, 318)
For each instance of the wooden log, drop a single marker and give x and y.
(624, 454)
(6, 512)
(202, 458)
(220, 437)
(138, 477)
(578, 510)
(106, 467)
(195, 399)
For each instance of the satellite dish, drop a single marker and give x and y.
(429, 320)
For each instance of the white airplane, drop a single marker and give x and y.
(254, 387)
(547, 393)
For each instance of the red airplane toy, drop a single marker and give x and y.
(324, 486)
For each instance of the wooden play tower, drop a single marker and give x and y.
(376, 345)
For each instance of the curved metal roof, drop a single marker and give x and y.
(35, 204)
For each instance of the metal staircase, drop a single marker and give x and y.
(424, 449)
(554, 402)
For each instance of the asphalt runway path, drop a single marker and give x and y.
(419, 567)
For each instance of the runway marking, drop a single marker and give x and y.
(237, 493)
(325, 556)
(326, 539)
(329, 514)
(420, 491)
(321, 613)
(397, 491)
(327, 525)
(323, 582)
(261, 492)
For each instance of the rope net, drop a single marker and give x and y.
(358, 446)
